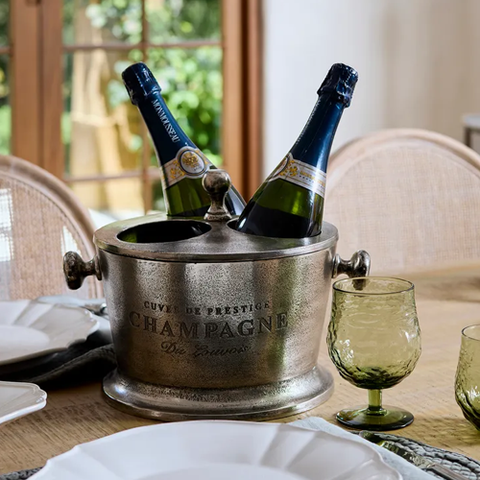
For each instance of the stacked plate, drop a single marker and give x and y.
(31, 331)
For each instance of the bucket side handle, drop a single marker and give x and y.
(357, 266)
(76, 269)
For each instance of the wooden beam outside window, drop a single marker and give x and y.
(51, 80)
(242, 102)
(132, 46)
(25, 87)
(253, 64)
(37, 105)
(233, 121)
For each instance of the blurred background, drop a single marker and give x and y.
(67, 57)
(418, 65)
(240, 76)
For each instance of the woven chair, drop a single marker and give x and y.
(40, 220)
(411, 198)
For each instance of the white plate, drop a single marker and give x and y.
(29, 329)
(91, 304)
(19, 399)
(219, 450)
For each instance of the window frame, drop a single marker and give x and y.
(36, 90)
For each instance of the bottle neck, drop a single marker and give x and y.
(167, 136)
(315, 141)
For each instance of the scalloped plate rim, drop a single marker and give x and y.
(35, 402)
(79, 335)
(58, 465)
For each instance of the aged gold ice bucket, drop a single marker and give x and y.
(208, 322)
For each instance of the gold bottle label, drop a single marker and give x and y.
(300, 173)
(189, 162)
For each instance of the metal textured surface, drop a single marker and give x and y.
(217, 325)
(76, 270)
(219, 244)
(214, 323)
(237, 334)
(269, 401)
(217, 183)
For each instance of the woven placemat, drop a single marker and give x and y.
(462, 464)
(21, 475)
(454, 461)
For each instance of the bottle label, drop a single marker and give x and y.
(300, 173)
(189, 162)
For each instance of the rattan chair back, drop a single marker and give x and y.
(40, 220)
(411, 198)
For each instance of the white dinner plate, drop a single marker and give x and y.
(29, 329)
(18, 399)
(92, 304)
(219, 450)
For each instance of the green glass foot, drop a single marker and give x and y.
(382, 419)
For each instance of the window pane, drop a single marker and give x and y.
(100, 126)
(5, 111)
(174, 20)
(4, 18)
(119, 199)
(104, 21)
(191, 81)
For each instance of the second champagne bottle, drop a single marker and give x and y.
(182, 164)
(289, 204)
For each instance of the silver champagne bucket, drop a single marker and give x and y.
(208, 322)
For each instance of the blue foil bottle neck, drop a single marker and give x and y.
(315, 141)
(139, 82)
(167, 136)
(145, 92)
(340, 81)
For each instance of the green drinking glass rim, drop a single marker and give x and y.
(409, 286)
(464, 332)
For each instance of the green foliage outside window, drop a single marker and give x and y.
(190, 78)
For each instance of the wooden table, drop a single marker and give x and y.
(447, 301)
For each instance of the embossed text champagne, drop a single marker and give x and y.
(289, 203)
(182, 164)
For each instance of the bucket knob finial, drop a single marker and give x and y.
(217, 182)
(75, 269)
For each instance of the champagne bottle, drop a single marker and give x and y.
(182, 164)
(289, 204)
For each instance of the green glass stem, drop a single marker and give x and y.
(375, 403)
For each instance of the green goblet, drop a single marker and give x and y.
(467, 379)
(374, 341)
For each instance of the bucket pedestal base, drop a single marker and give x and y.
(269, 401)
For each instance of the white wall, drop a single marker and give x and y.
(418, 64)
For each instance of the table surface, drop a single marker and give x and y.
(447, 301)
